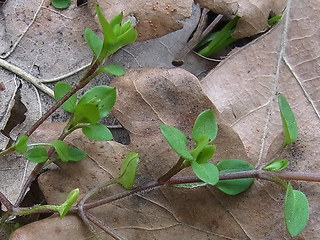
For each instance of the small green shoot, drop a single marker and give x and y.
(116, 35)
(274, 20)
(219, 40)
(296, 211)
(289, 124)
(128, 170)
(61, 4)
(277, 165)
(72, 197)
(234, 186)
(204, 131)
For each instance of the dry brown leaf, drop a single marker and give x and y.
(244, 89)
(254, 13)
(153, 18)
(147, 97)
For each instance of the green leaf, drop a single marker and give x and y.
(75, 154)
(207, 172)
(61, 149)
(21, 145)
(72, 197)
(206, 154)
(61, 89)
(288, 121)
(273, 20)
(113, 69)
(205, 125)
(93, 41)
(116, 20)
(128, 170)
(97, 132)
(67, 153)
(61, 4)
(37, 155)
(277, 165)
(177, 140)
(102, 96)
(86, 113)
(234, 186)
(296, 211)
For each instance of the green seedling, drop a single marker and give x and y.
(219, 40)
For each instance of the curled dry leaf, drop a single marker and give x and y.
(244, 88)
(254, 14)
(153, 18)
(146, 98)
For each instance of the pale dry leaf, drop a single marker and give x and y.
(254, 13)
(244, 89)
(153, 18)
(146, 98)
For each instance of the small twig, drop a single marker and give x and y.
(22, 34)
(27, 76)
(103, 226)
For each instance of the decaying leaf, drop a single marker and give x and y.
(254, 13)
(153, 18)
(244, 88)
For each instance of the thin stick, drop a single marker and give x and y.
(23, 33)
(5, 201)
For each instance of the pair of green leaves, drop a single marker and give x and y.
(116, 35)
(94, 105)
(204, 131)
(65, 153)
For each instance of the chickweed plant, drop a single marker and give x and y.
(231, 176)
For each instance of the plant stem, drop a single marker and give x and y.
(259, 174)
(173, 171)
